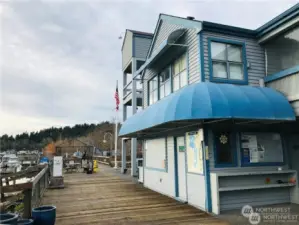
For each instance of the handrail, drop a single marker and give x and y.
(33, 195)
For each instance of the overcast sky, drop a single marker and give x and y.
(60, 59)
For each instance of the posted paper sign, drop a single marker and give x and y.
(57, 166)
(195, 152)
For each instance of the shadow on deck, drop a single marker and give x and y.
(110, 198)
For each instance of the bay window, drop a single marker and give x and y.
(227, 61)
(153, 90)
(179, 73)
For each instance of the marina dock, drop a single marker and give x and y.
(108, 197)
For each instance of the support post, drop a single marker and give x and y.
(123, 156)
(134, 109)
(116, 135)
(27, 203)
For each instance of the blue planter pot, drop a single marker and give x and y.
(8, 218)
(25, 222)
(44, 215)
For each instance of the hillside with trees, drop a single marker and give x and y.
(91, 134)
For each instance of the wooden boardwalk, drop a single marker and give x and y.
(108, 198)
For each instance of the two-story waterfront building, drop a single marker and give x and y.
(220, 118)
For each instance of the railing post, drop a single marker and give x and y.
(37, 194)
(46, 179)
(27, 203)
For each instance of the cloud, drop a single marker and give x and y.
(60, 59)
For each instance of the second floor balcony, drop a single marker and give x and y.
(282, 65)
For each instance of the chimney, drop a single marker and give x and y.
(190, 18)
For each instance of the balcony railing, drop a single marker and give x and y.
(286, 82)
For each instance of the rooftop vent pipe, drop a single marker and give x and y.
(190, 18)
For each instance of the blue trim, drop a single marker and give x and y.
(284, 150)
(176, 178)
(226, 29)
(282, 74)
(166, 156)
(144, 160)
(279, 20)
(207, 171)
(230, 81)
(187, 64)
(233, 151)
(201, 58)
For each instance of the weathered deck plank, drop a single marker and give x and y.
(104, 198)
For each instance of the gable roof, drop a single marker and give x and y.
(141, 33)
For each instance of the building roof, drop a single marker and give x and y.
(279, 20)
(141, 32)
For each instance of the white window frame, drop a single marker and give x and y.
(182, 72)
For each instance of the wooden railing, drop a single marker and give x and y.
(110, 160)
(32, 190)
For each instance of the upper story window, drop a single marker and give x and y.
(227, 61)
(165, 83)
(179, 72)
(283, 51)
(153, 90)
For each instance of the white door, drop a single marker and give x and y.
(294, 156)
(182, 187)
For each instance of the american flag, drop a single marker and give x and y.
(116, 96)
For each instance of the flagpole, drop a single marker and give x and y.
(116, 134)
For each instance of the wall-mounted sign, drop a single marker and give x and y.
(182, 148)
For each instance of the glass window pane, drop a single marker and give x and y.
(218, 51)
(176, 83)
(161, 78)
(167, 88)
(236, 71)
(219, 70)
(183, 78)
(150, 98)
(155, 98)
(162, 91)
(176, 67)
(167, 74)
(234, 53)
(183, 62)
(155, 82)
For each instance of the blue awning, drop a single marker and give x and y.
(163, 47)
(206, 101)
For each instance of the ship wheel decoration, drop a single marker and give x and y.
(223, 139)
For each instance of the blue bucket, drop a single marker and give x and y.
(25, 222)
(8, 218)
(44, 215)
